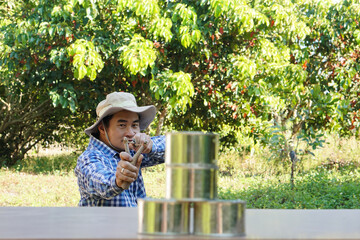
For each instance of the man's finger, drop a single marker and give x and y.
(141, 138)
(126, 165)
(125, 178)
(128, 173)
(125, 156)
(148, 147)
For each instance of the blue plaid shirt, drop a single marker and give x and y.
(96, 168)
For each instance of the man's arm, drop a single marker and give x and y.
(95, 178)
(157, 154)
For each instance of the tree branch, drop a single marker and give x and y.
(7, 104)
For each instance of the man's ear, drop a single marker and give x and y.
(101, 128)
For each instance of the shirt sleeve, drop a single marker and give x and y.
(95, 178)
(157, 154)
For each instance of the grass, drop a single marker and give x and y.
(330, 180)
(37, 190)
(42, 179)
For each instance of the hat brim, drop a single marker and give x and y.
(146, 115)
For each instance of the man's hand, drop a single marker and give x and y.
(141, 138)
(126, 173)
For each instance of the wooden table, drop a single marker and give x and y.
(121, 223)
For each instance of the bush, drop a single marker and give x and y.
(55, 164)
(316, 189)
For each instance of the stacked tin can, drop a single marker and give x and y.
(191, 206)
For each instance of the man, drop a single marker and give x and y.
(104, 170)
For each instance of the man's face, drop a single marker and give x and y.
(122, 124)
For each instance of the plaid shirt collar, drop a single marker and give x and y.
(100, 145)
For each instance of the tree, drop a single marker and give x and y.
(212, 65)
(326, 98)
(29, 83)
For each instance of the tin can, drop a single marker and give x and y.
(219, 218)
(191, 148)
(191, 165)
(163, 216)
(191, 184)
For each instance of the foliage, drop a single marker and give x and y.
(62, 164)
(281, 72)
(327, 97)
(314, 190)
(81, 52)
(27, 119)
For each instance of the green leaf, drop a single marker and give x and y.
(218, 10)
(82, 71)
(58, 63)
(186, 40)
(91, 72)
(195, 36)
(52, 31)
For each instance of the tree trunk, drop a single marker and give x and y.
(293, 166)
(161, 121)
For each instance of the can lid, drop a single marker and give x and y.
(161, 200)
(190, 133)
(223, 201)
(193, 166)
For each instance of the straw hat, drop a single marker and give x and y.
(118, 101)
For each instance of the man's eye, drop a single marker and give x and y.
(135, 125)
(122, 125)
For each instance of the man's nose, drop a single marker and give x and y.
(129, 132)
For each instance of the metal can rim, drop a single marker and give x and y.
(191, 133)
(226, 201)
(192, 165)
